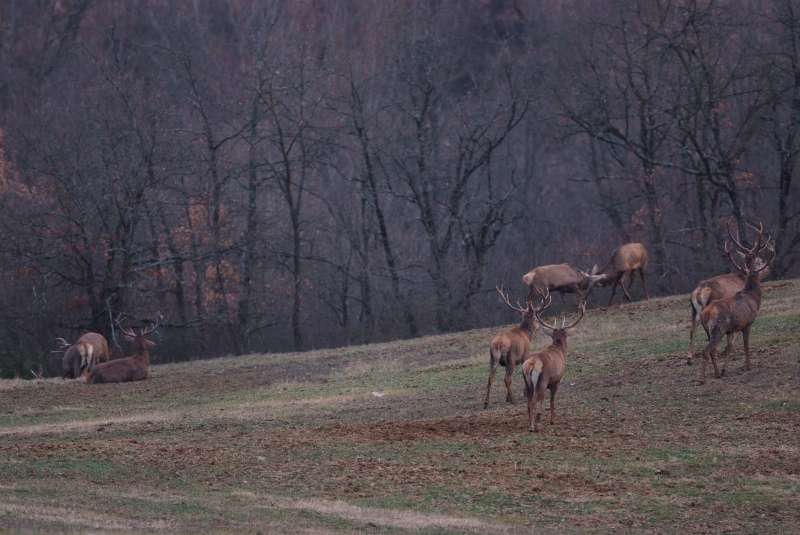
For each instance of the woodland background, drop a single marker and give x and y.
(274, 175)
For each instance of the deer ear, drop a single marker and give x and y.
(594, 269)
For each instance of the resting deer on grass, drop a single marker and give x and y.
(737, 313)
(713, 289)
(510, 347)
(133, 368)
(80, 357)
(545, 369)
(627, 259)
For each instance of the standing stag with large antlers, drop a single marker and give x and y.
(737, 313)
(545, 369)
(133, 368)
(713, 289)
(83, 355)
(510, 347)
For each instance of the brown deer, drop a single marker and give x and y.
(714, 288)
(736, 313)
(562, 278)
(627, 259)
(545, 369)
(90, 349)
(510, 347)
(133, 368)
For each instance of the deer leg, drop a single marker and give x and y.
(727, 350)
(507, 380)
(708, 354)
(614, 289)
(553, 390)
(531, 412)
(538, 405)
(746, 340)
(492, 370)
(622, 283)
(644, 284)
(691, 336)
(713, 354)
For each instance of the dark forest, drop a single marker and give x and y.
(286, 175)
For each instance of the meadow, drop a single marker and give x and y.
(392, 438)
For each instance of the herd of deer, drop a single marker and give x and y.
(725, 304)
(89, 357)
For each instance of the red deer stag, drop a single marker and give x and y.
(561, 278)
(713, 289)
(736, 313)
(80, 357)
(510, 347)
(545, 369)
(133, 368)
(627, 259)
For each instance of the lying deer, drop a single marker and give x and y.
(736, 313)
(562, 278)
(544, 369)
(510, 347)
(718, 287)
(627, 259)
(133, 368)
(90, 349)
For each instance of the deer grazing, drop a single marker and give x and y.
(545, 369)
(627, 259)
(133, 368)
(80, 357)
(510, 347)
(713, 289)
(736, 313)
(562, 278)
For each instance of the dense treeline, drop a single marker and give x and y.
(275, 175)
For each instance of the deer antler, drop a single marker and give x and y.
(63, 344)
(749, 253)
(746, 250)
(731, 258)
(130, 333)
(770, 246)
(582, 309)
(546, 300)
(518, 307)
(153, 326)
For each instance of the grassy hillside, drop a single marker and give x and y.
(392, 438)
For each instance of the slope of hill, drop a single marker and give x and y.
(392, 437)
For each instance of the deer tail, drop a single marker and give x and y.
(697, 306)
(531, 376)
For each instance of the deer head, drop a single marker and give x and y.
(558, 333)
(139, 339)
(751, 260)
